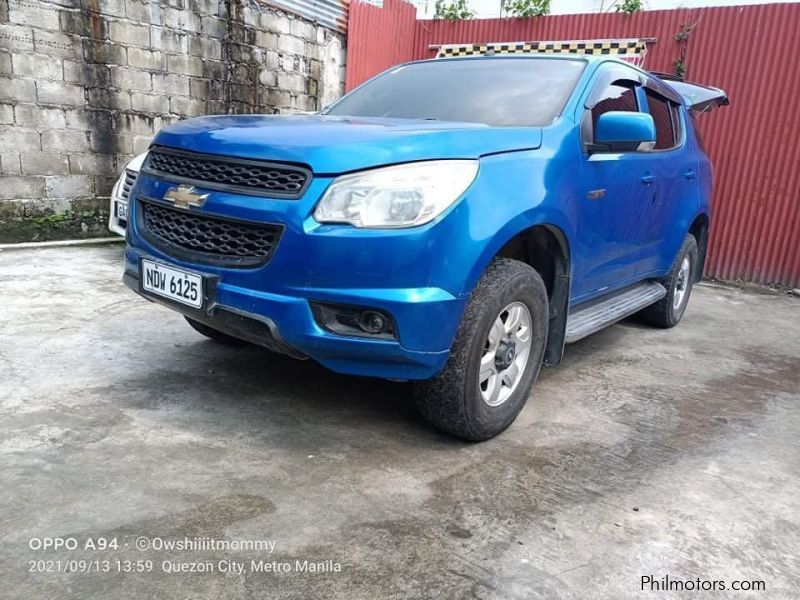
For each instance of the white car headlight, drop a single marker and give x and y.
(397, 196)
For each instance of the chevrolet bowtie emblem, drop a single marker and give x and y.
(184, 196)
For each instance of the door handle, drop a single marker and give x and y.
(648, 179)
(689, 174)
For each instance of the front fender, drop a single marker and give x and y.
(543, 215)
(515, 192)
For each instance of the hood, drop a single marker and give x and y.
(333, 145)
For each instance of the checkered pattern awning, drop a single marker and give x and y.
(632, 50)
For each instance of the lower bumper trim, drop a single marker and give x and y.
(261, 331)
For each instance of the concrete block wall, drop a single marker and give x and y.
(85, 84)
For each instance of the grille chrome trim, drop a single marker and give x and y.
(214, 172)
(206, 239)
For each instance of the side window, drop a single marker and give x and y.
(618, 96)
(659, 110)
(677, 124)
(666, 117)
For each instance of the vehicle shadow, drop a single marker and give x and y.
(300, 400)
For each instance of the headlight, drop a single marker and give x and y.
(398, 196)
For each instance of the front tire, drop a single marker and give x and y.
(668, 311)
(496, 356)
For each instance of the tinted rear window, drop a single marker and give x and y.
(662, 117)
(506, 91)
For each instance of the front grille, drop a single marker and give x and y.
(127, 185)
(228, 174)
(205, 239)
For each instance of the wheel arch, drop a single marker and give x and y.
(699, 229)
(545, 247)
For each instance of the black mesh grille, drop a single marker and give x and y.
(207, 239)
(216, 172)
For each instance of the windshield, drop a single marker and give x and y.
(503, 91)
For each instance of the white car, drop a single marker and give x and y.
(118, 211)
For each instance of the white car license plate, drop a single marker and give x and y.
(175, 284)
(122, 210)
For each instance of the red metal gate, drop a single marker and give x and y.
(749, 51)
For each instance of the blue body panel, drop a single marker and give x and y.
(423, 276)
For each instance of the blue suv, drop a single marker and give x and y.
(452, 222)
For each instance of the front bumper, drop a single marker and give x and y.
(286, 324)
(415, 275)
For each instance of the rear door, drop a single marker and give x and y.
(674, 168)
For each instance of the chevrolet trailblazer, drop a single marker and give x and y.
(451, 222)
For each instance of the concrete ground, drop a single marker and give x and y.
(647, 452)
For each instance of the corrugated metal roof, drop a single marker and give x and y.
(328, 13)
(748, 51)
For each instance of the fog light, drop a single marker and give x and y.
(371, 322)
(354, 320)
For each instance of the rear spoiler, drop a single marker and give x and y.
(699, 98)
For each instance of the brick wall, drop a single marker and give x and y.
(85, 84)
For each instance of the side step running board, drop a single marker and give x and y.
(586, 320)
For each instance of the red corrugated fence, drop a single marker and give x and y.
(377, 38)
(749, 51)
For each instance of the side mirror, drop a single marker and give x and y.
(620, 131)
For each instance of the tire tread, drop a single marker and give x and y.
(661, 314)
(441, 400)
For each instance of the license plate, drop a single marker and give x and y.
(121, 210)
(175, 284)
